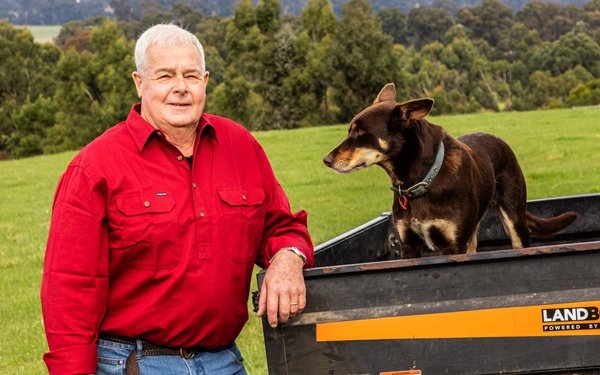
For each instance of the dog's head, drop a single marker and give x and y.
(377, 133)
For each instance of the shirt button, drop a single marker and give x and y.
(194, 185)
(244, 196)
(147, 204)
(201, 214)
(179, 157)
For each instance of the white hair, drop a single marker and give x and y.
(165, 35)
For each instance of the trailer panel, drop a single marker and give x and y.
(504, 311)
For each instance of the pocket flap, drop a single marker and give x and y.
(145, 203)
(242, 196)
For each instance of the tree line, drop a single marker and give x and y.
(57, 12)
(274, 71)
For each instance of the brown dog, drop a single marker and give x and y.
(442, 186)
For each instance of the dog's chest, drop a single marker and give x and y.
(435, 233)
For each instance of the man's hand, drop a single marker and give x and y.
(283, 293)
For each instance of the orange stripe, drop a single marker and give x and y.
(525, 321)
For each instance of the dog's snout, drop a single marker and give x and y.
(328, 160)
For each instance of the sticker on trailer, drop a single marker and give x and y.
(567, 319)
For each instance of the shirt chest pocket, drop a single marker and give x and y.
(242, 226)
(242, 201)
(143, 233)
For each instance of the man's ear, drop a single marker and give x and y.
(388, 92)
(137, 80)
(404, 115)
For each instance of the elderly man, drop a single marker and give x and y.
(156, 227)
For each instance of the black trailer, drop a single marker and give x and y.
(499, 311)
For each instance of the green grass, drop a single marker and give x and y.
(558, 150)
(44, 33)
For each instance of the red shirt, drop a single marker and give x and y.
(142, 245)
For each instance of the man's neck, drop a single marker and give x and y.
(182, 137)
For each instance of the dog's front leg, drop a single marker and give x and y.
(412, 246)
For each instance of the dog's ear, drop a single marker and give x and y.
(417, 109)
(405, 114)
(388, 92)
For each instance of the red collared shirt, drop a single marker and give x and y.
(142, 245)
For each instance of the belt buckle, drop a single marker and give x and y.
(186, 354)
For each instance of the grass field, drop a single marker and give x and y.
(558, 150)
(44, 33)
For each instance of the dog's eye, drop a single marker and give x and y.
(360, 132)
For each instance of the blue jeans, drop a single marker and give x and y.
(113, 355)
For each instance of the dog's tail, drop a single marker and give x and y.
(547, 227)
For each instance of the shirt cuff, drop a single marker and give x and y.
(72, 360)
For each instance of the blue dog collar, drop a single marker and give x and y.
(422, 187)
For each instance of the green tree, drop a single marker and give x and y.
(548, 91)
(244, 41)
(446, 86)
(94, 91)
(280, 111)
(467, 57)
(460, 53)
(540, 91)
(426, 25)
(517, 43)
(31, 123)
(235, 99)
(363, 58)
(591, 14)
(569, 51)
(274, 65)
(73, 101)
(211, 32)
(76, 34)
(550, 20)
(309, 81)
(235, 95)
(393, 23)
(26, 74)
(488, 20)
(268, 16)
(277, 60)
(318, 19)
(585, 94)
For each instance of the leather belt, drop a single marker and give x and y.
(132, 366)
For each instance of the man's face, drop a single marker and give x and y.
(172, 88)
